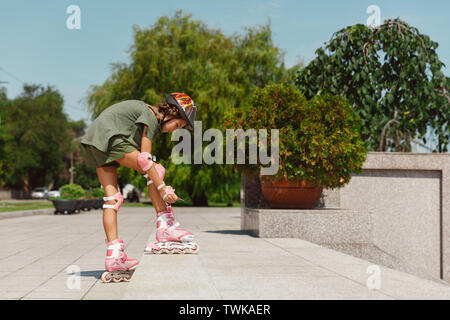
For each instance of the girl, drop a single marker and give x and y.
(122, 135)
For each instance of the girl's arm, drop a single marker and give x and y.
(146, 146)
(146, 143)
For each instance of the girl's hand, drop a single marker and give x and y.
(171, 198)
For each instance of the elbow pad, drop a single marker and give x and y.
(144, 160)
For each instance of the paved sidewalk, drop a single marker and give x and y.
(25, 213)
(234, 265)
(23, 200)
(36, 252)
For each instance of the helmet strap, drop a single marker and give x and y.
(161, 121)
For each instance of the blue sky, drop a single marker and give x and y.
(37, 47)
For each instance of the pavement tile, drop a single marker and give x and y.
(231, 264)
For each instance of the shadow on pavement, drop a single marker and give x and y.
(94, 273)
(234, 232)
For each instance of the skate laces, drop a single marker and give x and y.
(173, 225)
(116, 250)
(123, 256)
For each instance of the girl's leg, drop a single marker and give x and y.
(130, 161)
(170, 241)
(108, 179)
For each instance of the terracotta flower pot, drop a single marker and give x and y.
(284, 195)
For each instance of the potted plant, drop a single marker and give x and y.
(319, 143)
(71, 199)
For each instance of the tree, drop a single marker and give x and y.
(78, 127)
(85, 176)
(76, 131)
(3, 133)
(37, 137)
(393, 78)
(220, 72)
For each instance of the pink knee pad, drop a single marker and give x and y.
(118, 197)
(144, 160)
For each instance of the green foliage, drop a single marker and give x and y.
(72, 191)
(393, 78)
(85, 176)
(37, 141)
(97, 193)
(319, 139)
(3, 133)
(35, 138)
(78, 127)
(126, 175)
(330, 142)
(219, 72)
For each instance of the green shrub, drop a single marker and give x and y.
(319, 139)
(97, 193)
(72, 191)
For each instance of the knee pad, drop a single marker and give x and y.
(118, 197)
(144, 160)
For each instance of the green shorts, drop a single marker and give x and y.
(117, 148)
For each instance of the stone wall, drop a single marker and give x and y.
(398, 208)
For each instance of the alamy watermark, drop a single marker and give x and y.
(213, 153)
(374, 20)
(74, 20)
(73, 281)
(374, 280)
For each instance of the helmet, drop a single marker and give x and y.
(185, 105)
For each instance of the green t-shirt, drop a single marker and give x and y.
(124, 119)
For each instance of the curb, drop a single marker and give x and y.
(26, 213)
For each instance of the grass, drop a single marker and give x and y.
(138, 205)
(223, 204)
(21, 206)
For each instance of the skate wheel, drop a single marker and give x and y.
(127, 278)
(195, 249)
(170, 251)
(106, 278)
(117, 279)
(156, 251)
(181, 250)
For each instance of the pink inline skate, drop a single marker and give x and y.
(118, 266)
(170, 238)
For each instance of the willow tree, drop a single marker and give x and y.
(392, 76)
(218, 71)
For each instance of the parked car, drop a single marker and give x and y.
(40, 193)
(54, 194)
